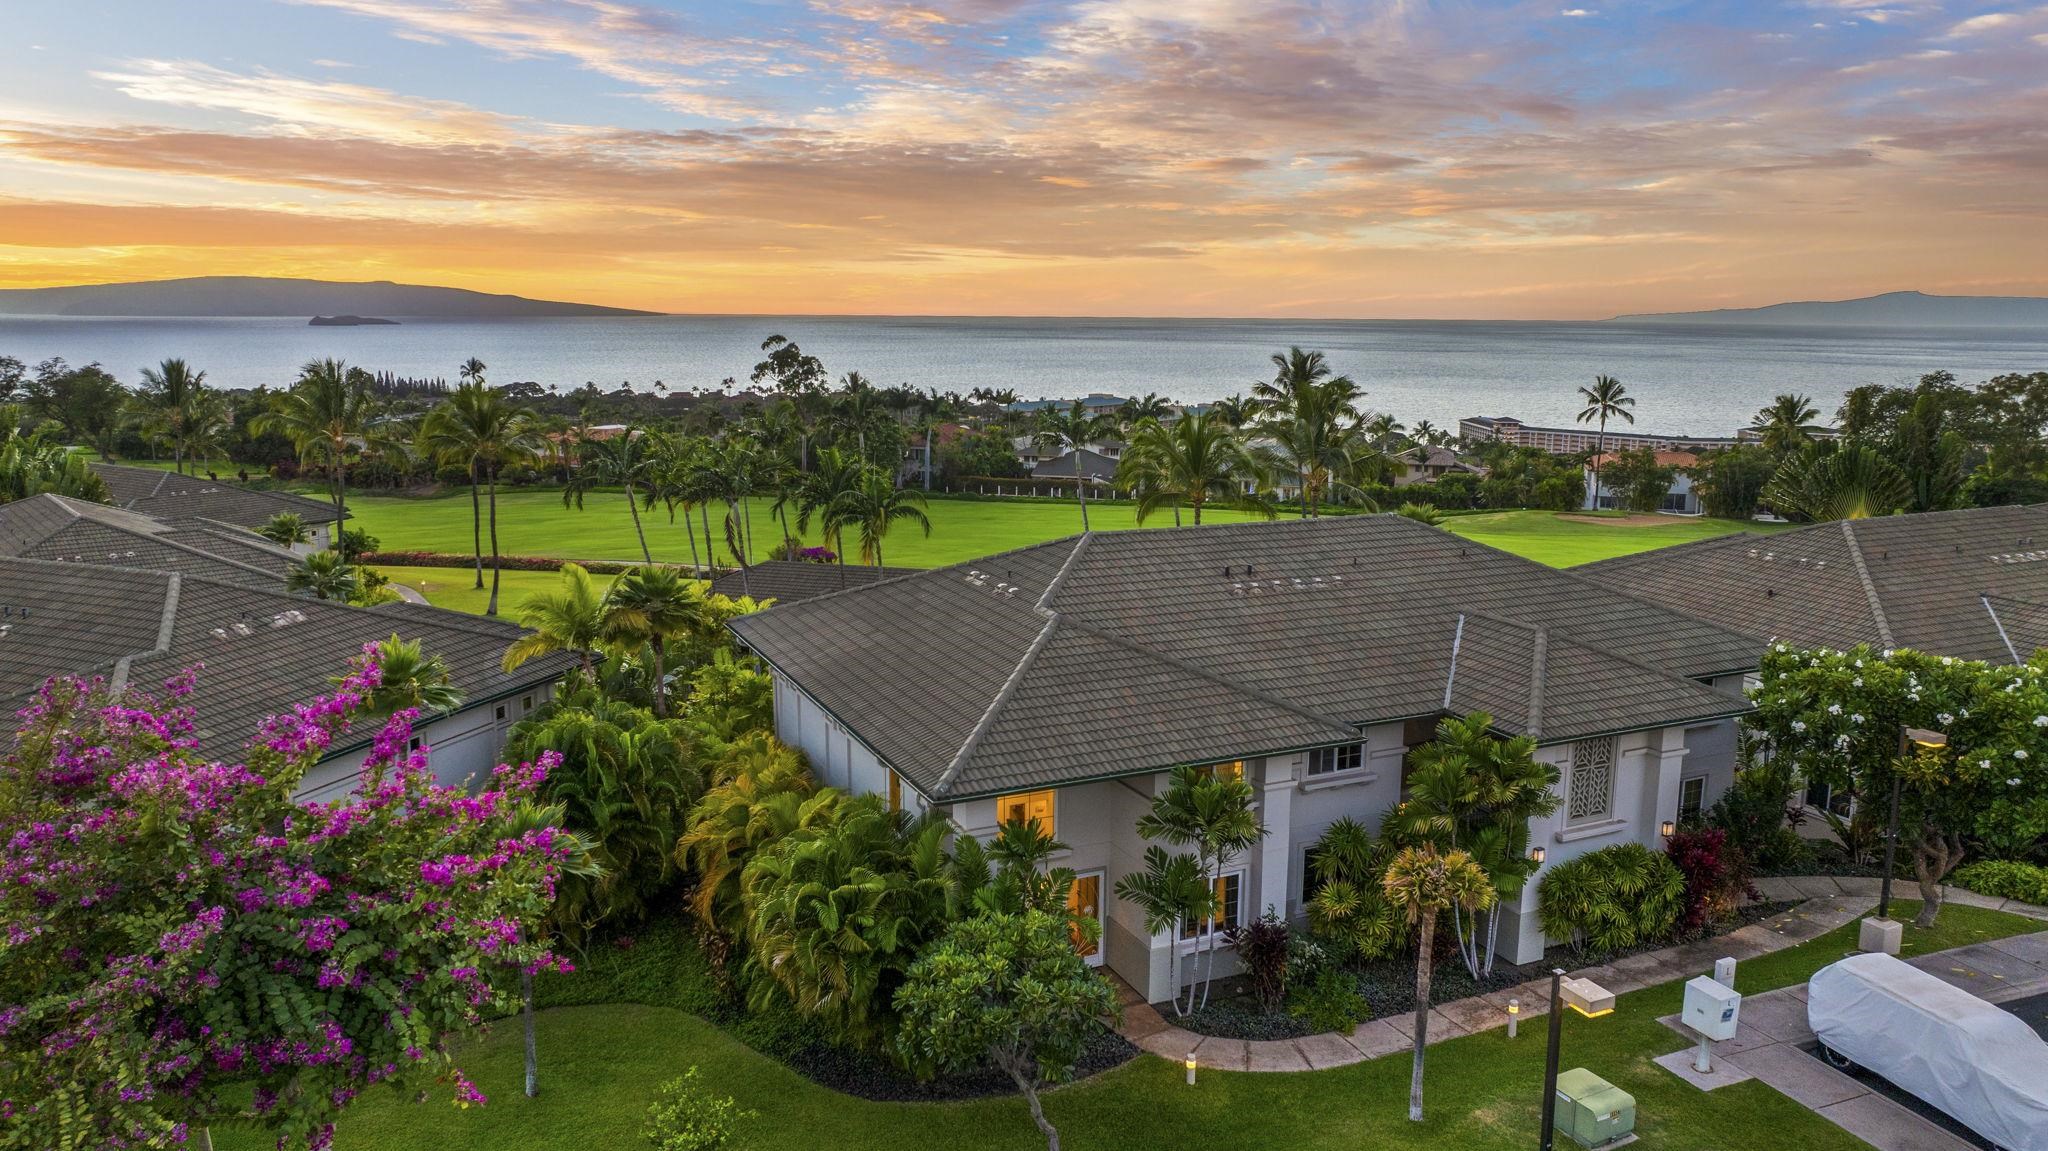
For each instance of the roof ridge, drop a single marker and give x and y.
(1451, 677)
(118, 681)
(988, 715)
(1044, 603)
(1985, 599)
(1539, 650)
(1198, 670)
(1884, 627)
(1565, 637)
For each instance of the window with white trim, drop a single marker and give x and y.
(1032, 806)
(1331, 760)
(1692, 797)
(1230, 894)
(1590, 797)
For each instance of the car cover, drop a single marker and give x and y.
(1983, 1066)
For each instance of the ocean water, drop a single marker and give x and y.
(1686, 379)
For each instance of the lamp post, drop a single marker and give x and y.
(1550, 1059)
(1909, 738)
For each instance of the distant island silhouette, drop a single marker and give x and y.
(1892, 309)
(348, 321)
(259, 296)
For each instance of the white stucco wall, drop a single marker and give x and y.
(462, 749)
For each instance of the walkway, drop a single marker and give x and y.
(1827, 903)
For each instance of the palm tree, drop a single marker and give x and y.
(626, 459)
(1211, 811)
(478, 427)
(653, 605)
(871, 506)
(286, 529)
(857, 408)
(1195, 459)
(1172, 892)
(1385, 430)
(1236, 411)
(323, 575)
(1427, 883)
(767, 795)
(1152, 406)
(819, 491)
(1070, 430)
(932, 410)
(1607, 398)
(175, 404)
(570, 618)
(329, 415)
(411, 678)
(1312, 418)
(1784, 422)
(1852, 482)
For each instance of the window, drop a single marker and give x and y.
(501, 713)
(526, 704)
(895, 792)
(1230, 892)
(1034, 806)
(1591, 796)
(1233, 769)
(1330, 760)
(412, 744)
(1692, 797)
(1824, 797)
(1310, 881)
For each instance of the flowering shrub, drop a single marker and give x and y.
(176, 926)
(1835, 717)
(1714, 873)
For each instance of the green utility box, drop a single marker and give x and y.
(1593, 1112)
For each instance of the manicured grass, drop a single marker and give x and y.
(1565, 539)
(601, 1066)
(456, 587)
(534, 522)
(1956, 926)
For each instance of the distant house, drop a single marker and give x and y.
(1421, 464)
(51, 527)
(1097, 468)
(1095, 403)
(1059, 683)
(1679, 499)
(259, 652)
(1031, 451)
(170, 496)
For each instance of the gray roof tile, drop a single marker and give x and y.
(786, 581)
(169, 495)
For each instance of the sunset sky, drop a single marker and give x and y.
(1107, 157)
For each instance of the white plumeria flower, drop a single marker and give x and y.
(1855, 719)
(1857, 682)
(1944, 717)
(1983, 763)
(1859, 663)
(1887, 653)
(2041, 721)
(2013, 782)
(1914, 696)
(1798, 725)
(1834, 709)
(2019, 753)
(1948, 660)
(1842, 743)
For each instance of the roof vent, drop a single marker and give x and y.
(241, 628)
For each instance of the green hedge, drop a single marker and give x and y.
(1612, 899)
(2006, 879)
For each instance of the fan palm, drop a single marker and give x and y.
(1425, 883)
(480, 429)
(1195, 459)
(1606, 399)
(286, 529)
(1069, 430)
(626, 459)
(1852, 482)
(654, 605)
(871, 506)
(322, 575)
(330, 415)
(569, 618)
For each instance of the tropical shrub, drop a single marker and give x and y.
(687, 1117)
(285, 529)
(1612, 899)
(1008, 991)
(355, 543)
(1350, 914)
(1420, 513)
(1715, 877)
(1262, 949)
(625, 780)
(323, 575)
(2005, 879)
(1753, 813)
(186, 942)
(1329, 1000)
(759, 791)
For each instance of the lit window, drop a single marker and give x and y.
(1234, 769)
(1692, 797)
(1229, 892)
(1330, 760)
(895, 792)
(1033, 806)
(1591, 795)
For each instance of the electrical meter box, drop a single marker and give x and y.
(1711, 1009)
(1593, 1112)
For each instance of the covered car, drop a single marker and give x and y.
(1982, 1066)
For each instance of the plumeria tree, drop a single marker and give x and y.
(1835, 717)
(187, 945)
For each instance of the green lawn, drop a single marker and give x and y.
(456, 587)
(1562, 540)
(534, 522)
(601, 1066)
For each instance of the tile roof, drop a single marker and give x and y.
(169, 495)
(786, 581)
(1092, 463)
(1944, 582)
(55, 527)
(261, 651)
(1120, 652)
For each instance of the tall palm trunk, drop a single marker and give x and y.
(710, 550)
(633, 506)
(532, 1051)
(476, 525)
(1599, 449)
(696, 567)
(654, 645)
(492, 608)
(1081, 493)
(1423, 956)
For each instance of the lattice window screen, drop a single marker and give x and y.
(1592, 790)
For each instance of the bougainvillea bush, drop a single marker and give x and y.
(186, 945)
(1835, 717)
